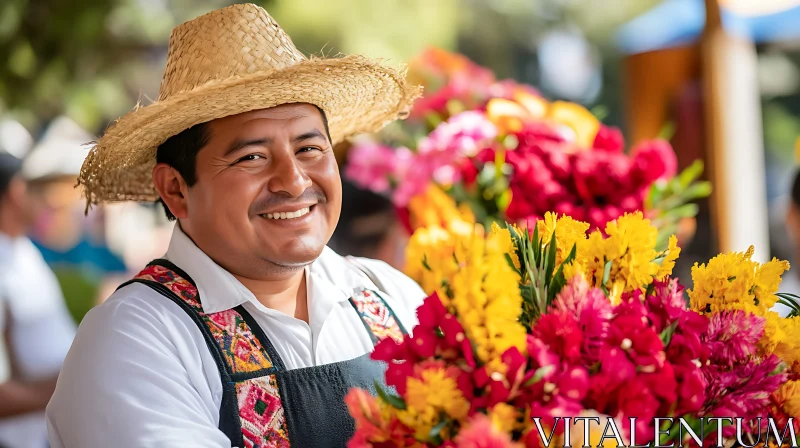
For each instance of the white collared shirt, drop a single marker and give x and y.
(32, 304)
(139, 373)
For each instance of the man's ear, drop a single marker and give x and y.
(17, 192)
(172, 188)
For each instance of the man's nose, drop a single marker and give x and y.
(288, 177)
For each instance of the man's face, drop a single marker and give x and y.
(268, 193)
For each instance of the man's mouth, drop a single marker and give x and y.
(288, 215)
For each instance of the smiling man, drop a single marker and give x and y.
(250, 331)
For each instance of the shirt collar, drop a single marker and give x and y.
(330, 278)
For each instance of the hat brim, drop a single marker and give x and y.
(358, 95)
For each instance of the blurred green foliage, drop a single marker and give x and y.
(94, 59)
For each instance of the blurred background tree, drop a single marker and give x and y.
(93, 59)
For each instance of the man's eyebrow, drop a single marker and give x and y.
(309, 135)
(241, 143)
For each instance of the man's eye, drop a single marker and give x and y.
(249, 157)
(308, 149)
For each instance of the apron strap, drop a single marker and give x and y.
(221, 332)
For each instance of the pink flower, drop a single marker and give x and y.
(654, 160)
(463, 135)
(373, 166)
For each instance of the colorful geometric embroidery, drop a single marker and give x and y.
(177, 284)
(377, 315)
(241, 348)
(261, 413)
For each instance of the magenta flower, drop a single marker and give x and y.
(732, 337)
(743, 391)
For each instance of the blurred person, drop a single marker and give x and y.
(369, 227)
(36, 326)
(250, 330)
(72, 245)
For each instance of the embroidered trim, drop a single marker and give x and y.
(242, 350)
(377, 315)
(261, 413)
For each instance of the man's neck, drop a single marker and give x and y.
(10, 226)
(288, 295)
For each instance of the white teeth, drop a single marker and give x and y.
(288, 215)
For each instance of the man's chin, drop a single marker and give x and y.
(297, 258)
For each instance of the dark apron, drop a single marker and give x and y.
(264, 404)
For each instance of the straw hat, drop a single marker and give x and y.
(231, 61)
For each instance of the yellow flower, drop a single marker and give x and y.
(569, 233)
(504, 417)
(434, 207)
(578, 118)
(468, 269)
(789, 397)
(503, 243)
(438, 391)
(630, 247)
(781, 337)
(672, 254)
(421, 420)
(733, 281)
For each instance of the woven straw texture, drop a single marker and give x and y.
(231, 61)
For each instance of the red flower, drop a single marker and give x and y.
(609, 139)
(653, 160)
(431, 312)
(468, 172)
(560, 331)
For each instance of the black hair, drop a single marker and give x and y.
(364, 223)
(180, 152)
(9, 169)
(796, 189)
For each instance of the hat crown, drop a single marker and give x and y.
(225, 44)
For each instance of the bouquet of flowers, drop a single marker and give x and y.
(510, 155)
(528, 329)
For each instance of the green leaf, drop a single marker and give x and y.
(606, 271)
(600, 112)
(538, 375)
(683, 211)
(668, 131)
(790, 301)
(697, 190)
(390, 399)
(425, 262)
(666, 335)
(434, 435)
(511, 263)
(691, 173)
(550, 263)
(537, 245)
(556, 285)
(572, 254)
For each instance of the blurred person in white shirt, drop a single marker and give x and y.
(37, 329)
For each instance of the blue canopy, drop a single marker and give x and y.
(676, 23)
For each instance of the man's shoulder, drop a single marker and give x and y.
(135, 304)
